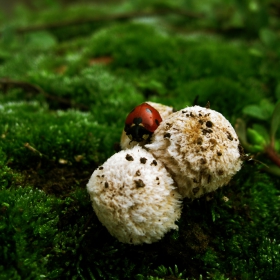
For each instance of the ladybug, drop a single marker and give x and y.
(141, 122)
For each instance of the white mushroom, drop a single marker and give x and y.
(199, 148)
(134, 197)
(164, 112)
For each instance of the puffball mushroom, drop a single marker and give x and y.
(199, 148)
(134, 197)
(164, 112)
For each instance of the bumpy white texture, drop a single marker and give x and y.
(134, 197)
(199, 148)
(164, 111)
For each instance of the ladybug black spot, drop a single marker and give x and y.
(143, 160)
(129, 157)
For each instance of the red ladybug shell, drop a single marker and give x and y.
(141, 122)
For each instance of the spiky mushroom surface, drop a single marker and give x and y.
(134, 197)
(200, 149)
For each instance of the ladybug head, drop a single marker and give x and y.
(136, 131)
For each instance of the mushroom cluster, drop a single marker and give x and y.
(137, 193)
(134, 196)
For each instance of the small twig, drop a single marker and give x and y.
(39, 154)
(272, 155)
(32, 149)
(6, 83)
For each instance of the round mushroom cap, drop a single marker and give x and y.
(199, 148)
(134, 197)
(164, 112)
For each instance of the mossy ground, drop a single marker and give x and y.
(64, 94)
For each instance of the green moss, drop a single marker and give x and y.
(247, 227)
(219, 59)
(123, 44)
(28, 226)
(52, 135)
(226, 95)
(94, 87)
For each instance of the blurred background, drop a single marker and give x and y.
(231, 17)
